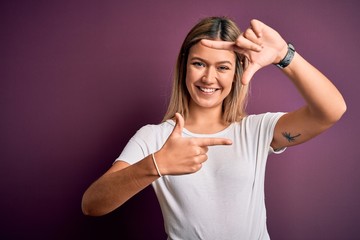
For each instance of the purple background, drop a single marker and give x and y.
(78, 78)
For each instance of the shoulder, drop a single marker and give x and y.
(263, 120)
(156, 127)
(263, 117)
(151, 131)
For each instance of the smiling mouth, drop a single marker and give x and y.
(207, 90)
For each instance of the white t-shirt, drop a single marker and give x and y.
(225, 199)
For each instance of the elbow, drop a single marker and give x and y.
(344, 109)
(93, 207)
(90, 208)
(87, 210)
(327, 117)
(336, 113)
(91, 211)
(340, 111)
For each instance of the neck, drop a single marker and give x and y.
(205, 120)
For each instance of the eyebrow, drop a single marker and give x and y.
(203, 60)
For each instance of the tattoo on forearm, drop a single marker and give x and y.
(290, 138)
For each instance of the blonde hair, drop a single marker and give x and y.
(214, 28)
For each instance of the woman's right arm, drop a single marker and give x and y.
(178, 156)
(117, 185)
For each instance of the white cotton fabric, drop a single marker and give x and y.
(225, 199)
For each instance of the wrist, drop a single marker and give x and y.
(288, 57)
(156, 165)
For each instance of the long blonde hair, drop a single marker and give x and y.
(214, 28)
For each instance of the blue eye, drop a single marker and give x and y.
(198, 64)
(223, 68)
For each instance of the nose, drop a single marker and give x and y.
(209, 76)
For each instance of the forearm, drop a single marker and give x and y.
(115, 187)
(324, 101)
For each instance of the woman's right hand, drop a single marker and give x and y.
(182, 155)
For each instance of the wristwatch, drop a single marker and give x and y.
(288, 57)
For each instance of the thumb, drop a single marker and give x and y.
(249, 73)
(179, 125)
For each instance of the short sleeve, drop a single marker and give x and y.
(277, 151)
(139, 146)
(262, 126)
(274, 118)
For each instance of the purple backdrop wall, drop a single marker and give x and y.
(78, 78)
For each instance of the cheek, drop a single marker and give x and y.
(189, 83)
(193, 73)
(192, 76)
(228, 80)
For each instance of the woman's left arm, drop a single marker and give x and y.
(263, 46)
(324, 105)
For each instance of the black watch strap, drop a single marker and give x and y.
(288, 57)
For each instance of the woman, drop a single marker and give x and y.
(206, 160)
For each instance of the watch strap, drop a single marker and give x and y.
(288, 57)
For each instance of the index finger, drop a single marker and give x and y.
(203, 142)
(220, 45)
(239, 45)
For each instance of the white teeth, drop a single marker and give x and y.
(208, 90)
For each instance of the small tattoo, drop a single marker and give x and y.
(289, 137)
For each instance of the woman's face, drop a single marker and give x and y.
(209, 77)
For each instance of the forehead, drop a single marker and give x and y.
(211, 55)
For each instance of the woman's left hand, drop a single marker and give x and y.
(259, 43)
